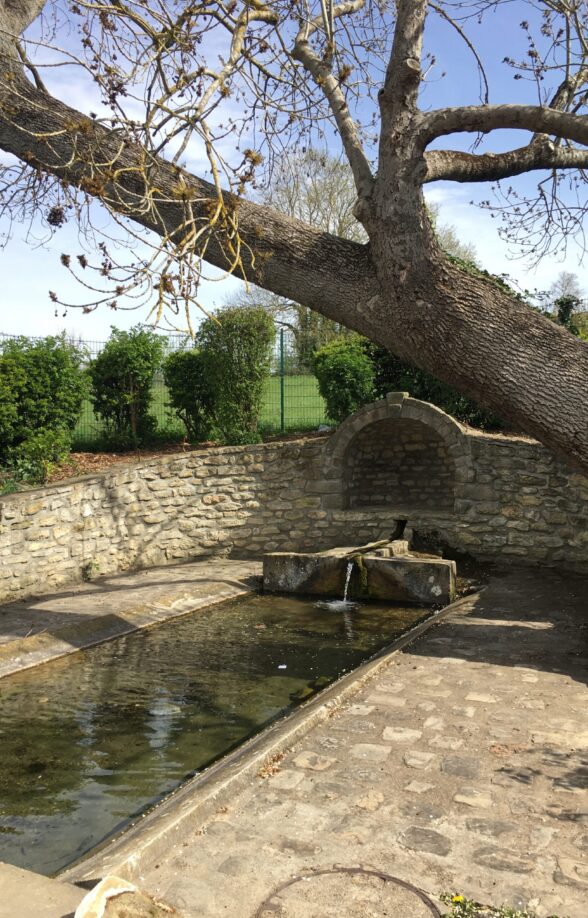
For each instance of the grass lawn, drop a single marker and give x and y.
(304, 409)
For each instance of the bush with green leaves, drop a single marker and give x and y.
(42, 387)
(235, 348)
(34, 459)
(345, 374)
(352, 371)
(121, 379)
(190, 392)
(8, 409)
(393, 375)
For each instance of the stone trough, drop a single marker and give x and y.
(383, 570)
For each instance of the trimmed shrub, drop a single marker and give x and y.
(190, 392)
(41, 388)
(8, 409)
(345, 375)
(236, 351)
(121, 378)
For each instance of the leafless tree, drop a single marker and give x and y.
(230, 84)
(566, 284)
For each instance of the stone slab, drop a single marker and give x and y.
(411, 579)
(28, 895)
(396, 579)
(44, 628)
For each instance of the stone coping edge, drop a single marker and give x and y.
(26, 653)
(160, 830)
(38, 491)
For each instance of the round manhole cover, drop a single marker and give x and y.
(347, 893)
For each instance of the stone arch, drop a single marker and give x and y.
(399, 453)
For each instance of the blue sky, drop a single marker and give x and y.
(31, 270)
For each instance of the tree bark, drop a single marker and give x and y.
(469, 332)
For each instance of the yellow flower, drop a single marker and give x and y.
(457, 899)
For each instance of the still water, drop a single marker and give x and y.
(90, 742)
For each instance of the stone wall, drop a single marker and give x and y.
(250, 499)
(523, 504)
(507, 498)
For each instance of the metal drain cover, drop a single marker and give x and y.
(347, 892)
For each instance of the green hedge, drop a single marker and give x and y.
(189, 392)
(345, 374)
(42, 387)
(217, 388)
(121, 380)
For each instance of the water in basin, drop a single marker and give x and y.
(89, 742)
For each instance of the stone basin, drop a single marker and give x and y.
(387, 572)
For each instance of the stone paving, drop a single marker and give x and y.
(45, 627)
(461, 767)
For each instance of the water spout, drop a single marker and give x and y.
(341, 605)
(347, 579)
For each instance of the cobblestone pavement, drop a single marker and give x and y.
(463, 766)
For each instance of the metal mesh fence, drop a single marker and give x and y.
(291, 400)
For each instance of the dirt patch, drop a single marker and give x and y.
(89, 463)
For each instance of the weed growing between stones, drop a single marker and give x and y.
(90, 571)
(468, 908)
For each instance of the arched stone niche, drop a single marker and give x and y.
(399, 453)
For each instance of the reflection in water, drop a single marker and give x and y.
(348, 623)
(88, 742)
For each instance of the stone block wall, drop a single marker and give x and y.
(179, 507)
(399, 463)
(523, 504)
(508, 499)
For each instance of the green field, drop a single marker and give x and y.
(304, 409)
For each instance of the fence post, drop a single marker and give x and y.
(282, 384)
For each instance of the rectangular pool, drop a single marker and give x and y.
(89, 742)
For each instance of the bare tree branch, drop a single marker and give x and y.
(486, 118)
(455, 166)
(30, 67)
(277, 251)
(403, 76)
(322, 73)
(481, 69)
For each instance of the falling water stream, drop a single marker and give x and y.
(340, 605)
(347, 579)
